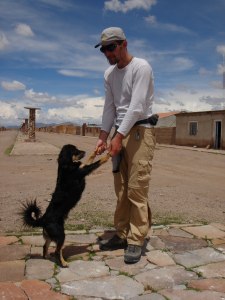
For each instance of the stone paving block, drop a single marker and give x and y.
(12, 270)
(9, 291)
(199, 257)
(213, 284)
(179, 232)
(152, 296)
(160, 258)
(79, 270)
(87, 298)
(39, 269)
(221, 248)
(219, 226)
(39, 290)
(162, 231)
(212, 270)
(6, 240)
(37, 252)
(119, 252)
(156, 243)
(165, 278)
(180, 244)
(34, 240)
(13, 252)
(192, 295)
(218, 241)
(115, 287)
(118, 264)
(206, 231)
(81, 238)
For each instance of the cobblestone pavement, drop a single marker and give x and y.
(178, 262)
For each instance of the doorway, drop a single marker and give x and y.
(217, 140)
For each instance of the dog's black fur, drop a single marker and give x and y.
(68, 191)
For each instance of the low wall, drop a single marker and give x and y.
(166, 135)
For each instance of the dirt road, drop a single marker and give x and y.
(187, 186)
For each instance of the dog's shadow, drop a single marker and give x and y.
(75, 250)
(69, 251)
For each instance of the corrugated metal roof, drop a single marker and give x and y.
(167, 114)
(169, 121)
(182, 113)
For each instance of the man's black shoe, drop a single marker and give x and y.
(132, 254)
(113, 244)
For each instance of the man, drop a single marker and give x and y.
(128, 106)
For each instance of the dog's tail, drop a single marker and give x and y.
(31, 214)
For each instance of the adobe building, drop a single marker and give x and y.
(201, 129)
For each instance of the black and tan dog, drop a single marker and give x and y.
(68, 191)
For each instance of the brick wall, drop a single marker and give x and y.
(166, 135)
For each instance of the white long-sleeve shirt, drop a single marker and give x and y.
(128, 95)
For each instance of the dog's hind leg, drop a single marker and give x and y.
(46, 246)
(59, 245)
(59, 255)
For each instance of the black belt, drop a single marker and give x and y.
(151, 120)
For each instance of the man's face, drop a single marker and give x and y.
(113, 53)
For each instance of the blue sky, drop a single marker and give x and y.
(48, 59)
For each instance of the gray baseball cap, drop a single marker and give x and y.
(111, 34)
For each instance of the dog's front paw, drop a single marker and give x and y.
(104, 158)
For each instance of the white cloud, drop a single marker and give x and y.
(96, 92)
(72, 109)
(220, 69)
(24, 29)
(221, 49)
(117, 5)
(13, 86)
(3, 41)
(182, 63)
(151, 20)
(89, 109)
(38, 98)
(203, 72)
(166, 26)
(7, 111)
(216, 84)
(11, 113)
(177, 100)
(72, 73)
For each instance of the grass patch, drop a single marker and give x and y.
(168, 219)
(86, 220)
(9, 150)
(75, 227)
(171, 218)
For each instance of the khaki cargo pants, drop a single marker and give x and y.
(132, 217)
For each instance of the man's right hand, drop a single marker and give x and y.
(116, 144)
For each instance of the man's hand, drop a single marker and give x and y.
(116, 144)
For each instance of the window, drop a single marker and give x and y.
(193, 128)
